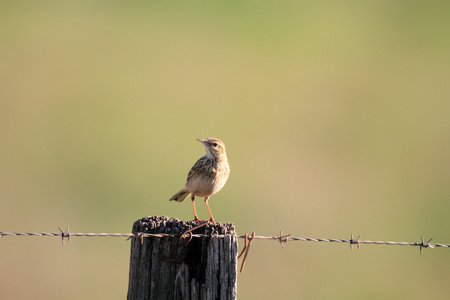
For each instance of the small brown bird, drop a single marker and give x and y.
(208, 175)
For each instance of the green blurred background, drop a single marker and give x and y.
(336, 117)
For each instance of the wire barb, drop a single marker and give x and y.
(141, 237)
(283, 238)
(354, 241)
(64, 234)
(425, 245)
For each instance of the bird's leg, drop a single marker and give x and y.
(210, 214)
(196, 219)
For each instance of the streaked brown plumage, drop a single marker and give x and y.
(208, 175)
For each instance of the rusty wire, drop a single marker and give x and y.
(248, 242)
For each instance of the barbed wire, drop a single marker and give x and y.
(282, 239)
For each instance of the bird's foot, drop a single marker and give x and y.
(196, 219)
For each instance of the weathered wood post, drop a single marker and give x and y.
(168, 268)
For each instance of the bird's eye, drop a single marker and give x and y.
(215, 144)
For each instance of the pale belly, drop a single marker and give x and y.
(205, 186)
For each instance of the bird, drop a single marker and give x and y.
(208, 175)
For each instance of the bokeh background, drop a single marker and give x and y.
(336, 117)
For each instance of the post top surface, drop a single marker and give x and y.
(164, 224)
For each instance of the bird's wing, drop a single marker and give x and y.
(196, 169)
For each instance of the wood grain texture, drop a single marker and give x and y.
(204, 268)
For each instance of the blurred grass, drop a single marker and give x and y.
(335, 116)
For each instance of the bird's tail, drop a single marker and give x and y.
(180, 196)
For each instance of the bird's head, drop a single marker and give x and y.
(214, 147)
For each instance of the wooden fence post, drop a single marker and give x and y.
(167, 268)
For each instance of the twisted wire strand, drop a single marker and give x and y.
(258, 237)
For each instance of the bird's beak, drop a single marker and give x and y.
(201, 141)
